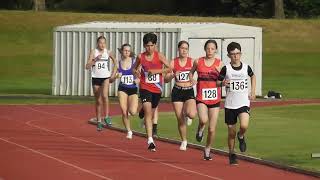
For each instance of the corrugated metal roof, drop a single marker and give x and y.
(113, 24)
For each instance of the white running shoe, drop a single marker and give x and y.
(183, 146)
(188, 120)
(129, 135)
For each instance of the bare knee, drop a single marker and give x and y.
(124, 114)
(105, 98)
(203, 121)
(191, 115)
(181, 122)
(133, 111)
(231, 132)
(99, 101)
(244, 127)
(211, 130)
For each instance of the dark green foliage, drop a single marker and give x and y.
(237, 8)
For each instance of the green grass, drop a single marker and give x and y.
(290, 47)
(275, 133)
(293, 74)
(25, 75)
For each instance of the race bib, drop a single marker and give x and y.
(153, 79)
(210, 94)
(127, 79)
(101, 65)
(238, 85)
(101, 69)
(183, 76)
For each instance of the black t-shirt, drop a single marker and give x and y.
(223, 71)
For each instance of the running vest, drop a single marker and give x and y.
(207, 90)
(100, 69)
(183, 75)
(127, 78)
(152, 83)
(237, 93)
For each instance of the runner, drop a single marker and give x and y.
(182, 95)
(208, 93)
(151, 62)
(127, 89)
(99, 64)
(237, 105)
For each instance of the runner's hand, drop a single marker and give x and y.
(226, 83)
(137, 81)
(118, 75)
(193, 82)
(252, 96)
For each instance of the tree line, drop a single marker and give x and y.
(233, 8)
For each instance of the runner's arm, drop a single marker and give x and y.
(136, 67)
(193, 69)
(115, 67)
(90, 61)
(169, 76)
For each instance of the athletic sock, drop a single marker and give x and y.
(201, 131)
(207, 151)
(150, 140)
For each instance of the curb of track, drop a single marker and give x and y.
(223, 153)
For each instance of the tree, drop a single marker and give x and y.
(278, 9)
(39, 5)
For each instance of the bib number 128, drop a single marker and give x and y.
(209, 94)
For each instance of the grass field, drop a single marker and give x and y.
(290, 49)
(275, 133)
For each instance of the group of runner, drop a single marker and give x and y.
(147, 72)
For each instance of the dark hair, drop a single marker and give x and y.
(182, 42)
(150, 37)
(210, 41)
(101, 37)
(232, 46)
(124, 45)
(132, 54)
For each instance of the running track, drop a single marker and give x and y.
(56, 142)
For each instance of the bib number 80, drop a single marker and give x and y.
(153, 78)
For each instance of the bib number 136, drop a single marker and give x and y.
(238, 86)
(209, 94)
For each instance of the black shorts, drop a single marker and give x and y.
(231, 115)
(210, 105)
(98, 81)
(128, 91)
(182, 94)
(147, 96)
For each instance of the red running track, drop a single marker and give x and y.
(56, 142)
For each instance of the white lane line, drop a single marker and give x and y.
(108, 147)
(56, 159)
